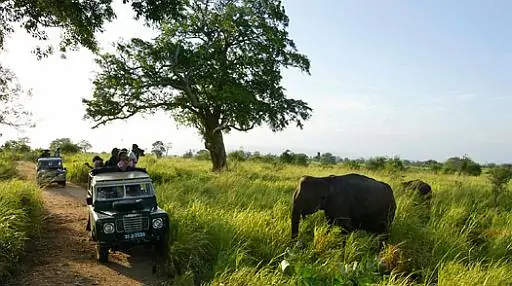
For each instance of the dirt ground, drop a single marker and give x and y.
(64, 255)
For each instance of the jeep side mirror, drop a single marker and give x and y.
(89, 201)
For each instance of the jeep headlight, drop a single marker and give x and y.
(108, 228)
(157, 223)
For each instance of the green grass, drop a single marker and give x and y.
(20, 209)
(234, 228)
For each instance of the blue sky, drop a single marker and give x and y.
(418, 79)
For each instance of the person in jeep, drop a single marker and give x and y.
(114, 158)
(97, 162)
(124, 161)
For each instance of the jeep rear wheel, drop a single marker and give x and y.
(102, 253)
(62, 184)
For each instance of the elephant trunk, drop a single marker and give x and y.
(295, 219)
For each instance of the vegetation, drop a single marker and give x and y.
(499, 176)
(217, 68)
(234, 227)
(160, 148)
(79, 22)
(20, 209)
(65, 145)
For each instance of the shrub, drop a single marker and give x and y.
(20, 209)
(7, 166)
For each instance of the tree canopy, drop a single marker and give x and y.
(217, 68)
(12, 111)
(78, 21)
(65, 145)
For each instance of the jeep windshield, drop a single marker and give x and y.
(49, 164)
(127, 191)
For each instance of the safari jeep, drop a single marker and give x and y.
(50, 170)
(123, 211)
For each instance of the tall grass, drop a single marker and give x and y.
(20, 209)
(234, 228)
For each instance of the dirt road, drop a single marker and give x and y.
(64, 255)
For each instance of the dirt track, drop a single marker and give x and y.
(64, 255)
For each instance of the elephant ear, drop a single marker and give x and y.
(326, 195)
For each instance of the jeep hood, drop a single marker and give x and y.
(114, 212)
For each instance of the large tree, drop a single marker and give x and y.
(216, 69)
(78, 21)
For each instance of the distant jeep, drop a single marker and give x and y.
(123, 211)
(50, 170)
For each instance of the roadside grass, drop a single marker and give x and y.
(20, 214)
(234, 228)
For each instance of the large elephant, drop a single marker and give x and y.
(352, 201)
(422, 189)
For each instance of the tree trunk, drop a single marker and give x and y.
(214, 143)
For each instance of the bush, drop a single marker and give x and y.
(20, 209)
(7, 166)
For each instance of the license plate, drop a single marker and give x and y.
(135, 235)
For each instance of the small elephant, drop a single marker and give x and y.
(422, 189)
(352, 201)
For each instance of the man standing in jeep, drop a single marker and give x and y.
(135, 154)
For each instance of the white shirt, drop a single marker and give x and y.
(132, 157)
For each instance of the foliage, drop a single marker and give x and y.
(327, 159)
(12, 111)
(159, 148)
(377, 163)
(299, 159)
(394, 165)
(7, 167)
(84, 145)
(18, 146)
(20, 209)
(499, 177)
(462, 165)
(352, 164)
(79, 20)
(234, 228)
(216, 69)
(239, 156)
(65, 145)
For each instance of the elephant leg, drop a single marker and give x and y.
(345, 224)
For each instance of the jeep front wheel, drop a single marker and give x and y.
(102, 253)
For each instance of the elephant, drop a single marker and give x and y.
(422, 189)
(352, 201)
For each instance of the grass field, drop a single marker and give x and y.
(234, 228)
(20, 209)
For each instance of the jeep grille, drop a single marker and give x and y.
(132, 223)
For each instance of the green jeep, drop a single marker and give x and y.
(123, 211)
(50, 170)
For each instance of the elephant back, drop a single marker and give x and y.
(365, 194)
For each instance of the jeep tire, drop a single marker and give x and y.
(102, 253)
(62, 183)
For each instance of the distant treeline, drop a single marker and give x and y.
(455, 165)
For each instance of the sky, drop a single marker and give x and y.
(416, 79)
